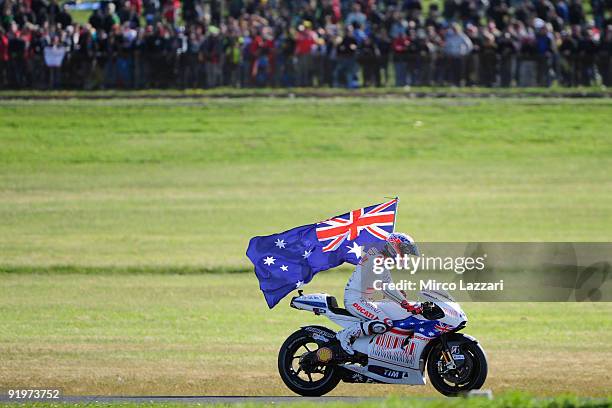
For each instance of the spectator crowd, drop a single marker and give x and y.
(333, 43)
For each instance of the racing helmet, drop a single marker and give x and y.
(400, 244)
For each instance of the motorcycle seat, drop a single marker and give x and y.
(332, 305)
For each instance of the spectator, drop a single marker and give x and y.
(528, 57)
(212, 50)
(587, 51)
(356, 16)
(346, 67)
(17, 49)
(457, 47)
(368, 59)
(507, 50)
(545, 45)
(63, 18)
(146, 43)
(473, 58)
(568, 59)
(576, 13)
(54, 56)
(489, 57)
(605, 57)
(383, 42)
(4, 57)
(400, 59)
(598, 7)
(305, 42)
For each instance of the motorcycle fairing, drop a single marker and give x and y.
(387, 373)
(393, 357)
(320, 303)
(382, 372)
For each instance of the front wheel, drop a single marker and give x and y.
(470, 373)
(309, 380)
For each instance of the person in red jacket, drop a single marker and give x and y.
(400, 58)
(305, 41)
(4, 56)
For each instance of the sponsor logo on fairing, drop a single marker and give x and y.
(385, 372)
(364, 311)
(320, 338)
(392, 374)
(390, 347)
(358, 377)
(456, 352)
(320, 332)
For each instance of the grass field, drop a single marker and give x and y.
(115, 193)
(511, 400)
(212, 334)
(186, 183)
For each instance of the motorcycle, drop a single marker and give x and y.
(311, 361)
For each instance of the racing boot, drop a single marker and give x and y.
(351, 333)
(347, 337)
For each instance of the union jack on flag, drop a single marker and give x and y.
(376, 222)
(443, 327)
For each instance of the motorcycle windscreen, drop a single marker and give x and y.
(437, 295)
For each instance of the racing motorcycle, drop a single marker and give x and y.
(311, 361)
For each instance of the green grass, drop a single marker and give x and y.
(509, 400)
(111, 210)
(212, 334)
(166, 183)
(80, 16)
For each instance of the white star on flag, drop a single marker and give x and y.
(269, 260)
(298, 284)
(430, 334)
(306, 254)
(355, 249)
(280, 243)
(421, 330)
(284, 268)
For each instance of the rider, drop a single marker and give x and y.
(359, 289)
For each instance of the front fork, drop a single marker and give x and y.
(447, 356)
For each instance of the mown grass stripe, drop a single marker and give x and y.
(120, 270)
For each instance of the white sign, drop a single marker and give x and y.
(54, 56)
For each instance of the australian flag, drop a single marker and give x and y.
(285, 261)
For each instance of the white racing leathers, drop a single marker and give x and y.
(359, 300)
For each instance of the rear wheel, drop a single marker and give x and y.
(300, 375)
(470, 373)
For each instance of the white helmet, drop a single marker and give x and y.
(401, 244)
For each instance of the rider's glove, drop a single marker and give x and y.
(414, 308)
